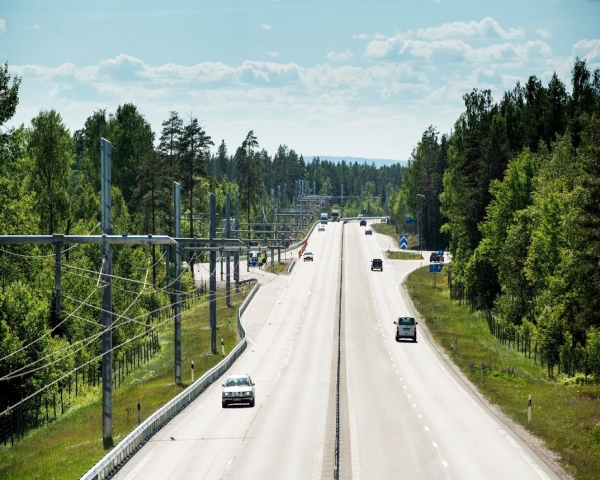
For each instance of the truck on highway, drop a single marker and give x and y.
(335, 215)
(324, 218)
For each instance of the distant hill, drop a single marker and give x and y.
(379, 162)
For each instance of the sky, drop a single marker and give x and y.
(323, 77)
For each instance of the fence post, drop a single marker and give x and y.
(529, 409)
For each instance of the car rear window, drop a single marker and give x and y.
(406, 321)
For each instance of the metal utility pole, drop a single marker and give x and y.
(277, 229)
(420, 198)
(57, 280)
(342, 201)
(213, 276)
(228, 257)
(107, 420)
(263, 215)
(236, 254)
(274, 228)
(177, 283)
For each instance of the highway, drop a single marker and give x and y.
(403, 412)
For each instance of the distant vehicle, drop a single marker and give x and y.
(324, 218)
(406, 327)
(368, 231)
(308, 256)
(253, 259)
(335, 215)
(377, 264)
(321, 228)
(238, 389)
(384, 220)
(363, 223)
(436, 257)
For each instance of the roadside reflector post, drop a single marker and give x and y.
(139, 413)
(222, 347)
(192, 371)
(529, 409)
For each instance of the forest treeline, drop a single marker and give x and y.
(512, 192)
(515, 191)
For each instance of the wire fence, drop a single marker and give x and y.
(48, 406)
(570, 360)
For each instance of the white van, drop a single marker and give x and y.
(406, 327)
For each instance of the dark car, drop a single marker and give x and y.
(363, 223)
(377, 264)
(436, 257)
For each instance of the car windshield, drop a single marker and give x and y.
(307, 254)
(237, 382)
(406, 321)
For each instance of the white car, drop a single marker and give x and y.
(368, 231)
(238, 389)
(406, 327)
(321, 228)
(308, 256)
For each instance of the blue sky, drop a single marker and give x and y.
(324, 77)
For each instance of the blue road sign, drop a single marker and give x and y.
(410, 221)
(435, 267)
(441, 253)
(403, 242)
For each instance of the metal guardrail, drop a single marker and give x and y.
(124, 450)
(291, 265)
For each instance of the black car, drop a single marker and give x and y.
(436, 257)
(363, 223)
(377, 264)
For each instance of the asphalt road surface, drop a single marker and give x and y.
(403, 412)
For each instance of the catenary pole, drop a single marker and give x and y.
(107, 410)
(177, 283)
(213, 277)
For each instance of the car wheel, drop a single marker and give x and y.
(415, 338)
(224, 404)
(252, 402)
(397, 339)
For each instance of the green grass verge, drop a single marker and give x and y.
(395, 255)
(565, 414)
(68, 447)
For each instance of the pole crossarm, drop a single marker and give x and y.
(59, 239)
(226, 241)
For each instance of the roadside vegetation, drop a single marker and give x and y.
(71, 445)
(403, 255)
(565, 409)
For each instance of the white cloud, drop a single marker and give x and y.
(273, 54)
(340, 56)
(587, 49)
(266, 27)
(36, 27)
(2, 26)
(485, 28)
(544, 33)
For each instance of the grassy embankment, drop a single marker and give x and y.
(566, 415)
(390, 230)
(68, 447)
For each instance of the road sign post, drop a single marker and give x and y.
(403, 242)
(435, 268)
